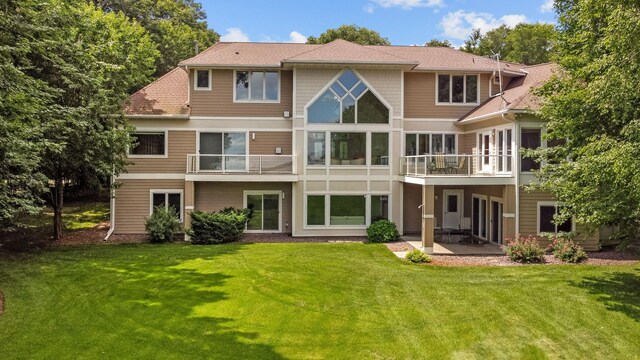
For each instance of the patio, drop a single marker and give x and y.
(450, 248)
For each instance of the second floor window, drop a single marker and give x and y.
(148, 144)
(257, 86)
(457, 89)
(433, 144)
(203, 80)
(530, 139)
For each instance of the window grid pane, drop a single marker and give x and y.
(316, 148)
(379, 149)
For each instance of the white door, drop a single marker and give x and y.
(452, 208)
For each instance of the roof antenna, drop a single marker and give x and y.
(195, 45)
(497, 56)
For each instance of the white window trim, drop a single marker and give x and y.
(486, 216)
(264, 192)
(167, 191)
(195, 80)
(513, 148)
(369, 88)
(264, 84)
(464, 90)
(166, 145)
(554, 204)
(327, 150)
(430, 134)
(327, 210)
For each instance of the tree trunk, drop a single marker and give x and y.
(57, 201)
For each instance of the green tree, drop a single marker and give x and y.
(352, 33)
(438, 43)
(593, 111)
(175, 27)
(526, 43)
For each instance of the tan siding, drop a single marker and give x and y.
(266, 142)
(132, 203)
(420, 97)
(529, 217)
(219, 101)
(180, 143)
(467, 143)
(213, 196)
(412, 194)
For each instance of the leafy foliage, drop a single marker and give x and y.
(525, 43)
(217, 228)
(352, 33)
(593, 110)
(162, 225)
(382, 231)
(566, 250)
(438, 43)
(525, 250)
(417, 256)
(174, 27)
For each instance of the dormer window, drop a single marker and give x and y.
(348, 101)
(457, 89)
(202, 80)
(257, 86)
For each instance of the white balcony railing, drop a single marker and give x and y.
(241, 164)
(456, 165)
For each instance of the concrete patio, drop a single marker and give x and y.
(442, 248)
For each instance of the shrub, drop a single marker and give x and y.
(525, 250)
(566, 250)
(162, 225)
(217, 228)
(417, 256)
(382, 231)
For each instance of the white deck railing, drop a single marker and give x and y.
(241, 164)
(456, 165)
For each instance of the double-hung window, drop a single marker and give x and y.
(202, 80)
(457, 89)
(148, 144)
(167, 199)
(257, 86)
(546, 219)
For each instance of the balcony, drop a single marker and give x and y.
(222, 167)
(452, 166)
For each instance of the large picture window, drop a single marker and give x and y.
(347, 210)
(316, 148)
(457, 89)
(167, 199)
(348, 101)
(546, 222)
(315, 210)
(257, 86)
(379, 149)
(148, 144)
(530, 139)
(348, 148)
(223, 151)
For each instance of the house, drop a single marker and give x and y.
(324, 139)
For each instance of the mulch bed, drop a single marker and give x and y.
(608, 257)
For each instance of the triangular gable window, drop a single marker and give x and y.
(348, 101)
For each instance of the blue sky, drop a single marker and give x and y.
(404, 22)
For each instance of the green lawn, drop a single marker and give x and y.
(307, 301)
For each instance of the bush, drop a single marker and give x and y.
(162, 225)
(217, 228)
(382, 231)
(525, 250)
(417, 256)
(568, 251)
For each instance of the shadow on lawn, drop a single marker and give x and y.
(619, 291)
(170, 305)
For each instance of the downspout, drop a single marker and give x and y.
(112, 209)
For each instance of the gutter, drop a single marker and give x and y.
(491, 115)
(159, 116)
(112, 210)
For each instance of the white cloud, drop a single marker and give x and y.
(406, 4)
(235, 35)
(547, 6)
(459, 24)
(369, 8)
(296, 37)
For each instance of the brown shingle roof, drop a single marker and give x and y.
(168, 95)
(518, 94)
(345, 52)
(224, 54)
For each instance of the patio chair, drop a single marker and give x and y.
(440, 167)
(461, 168)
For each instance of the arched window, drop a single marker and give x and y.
(348, 101)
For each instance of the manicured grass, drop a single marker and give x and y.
(307, 301)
